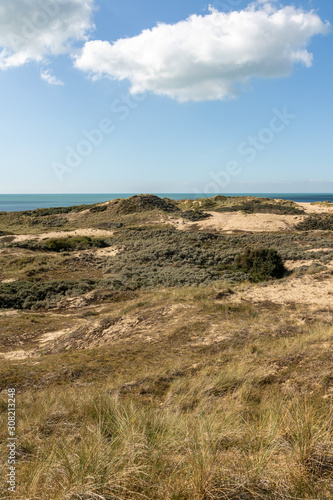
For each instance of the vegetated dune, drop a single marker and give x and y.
(155, 363)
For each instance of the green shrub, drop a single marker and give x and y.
(195, 215)
(29, 294)
(143, 203)
(64, 244)
(261, 264)
(98, 208)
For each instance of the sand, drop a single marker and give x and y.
(237, 221)
(99, 233)
(315, 290)
(315, 209)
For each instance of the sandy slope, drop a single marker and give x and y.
(237, 221)
(315, 209)
(313, 290)
(64, 234)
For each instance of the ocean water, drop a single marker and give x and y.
(20, 202)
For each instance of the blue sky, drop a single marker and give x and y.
(101, 109)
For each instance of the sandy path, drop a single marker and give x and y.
(315, 209)
(64, 234)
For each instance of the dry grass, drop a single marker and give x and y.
(187, 415)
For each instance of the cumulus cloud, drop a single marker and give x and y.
(208, 57)
(49, 78)
(33, 29)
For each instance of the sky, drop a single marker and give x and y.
(139, 96)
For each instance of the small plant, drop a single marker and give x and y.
(78, 243)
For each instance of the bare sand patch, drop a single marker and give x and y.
(51, 336)
(74, 215)
(6, 314)
(315, 209)
(237, 221)
(293, 264)
(303, 290)
(319, 250)
(106, 252)
(64, 234)
(17, 355)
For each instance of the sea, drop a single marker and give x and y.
(21, 202)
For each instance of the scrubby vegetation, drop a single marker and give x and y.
(195, 215)
(75, 243)
(244, 204)
(322, 222)
(260, 207)
(43, 212)
(47, 221)
(69, 244)
(166, 257)
(40, 294)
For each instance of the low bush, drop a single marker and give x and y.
(323, 222)
(63, 244)
(143, 203)
(195, 215)
(76, 243)
(262, 205)
(166, 257)
(48, 222)
(261, 264)
(42, 212)
(109, 225)
(40, 294)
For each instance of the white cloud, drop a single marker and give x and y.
(33, 29)
(51, 79)
(208, 57)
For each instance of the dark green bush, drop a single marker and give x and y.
(76, 243)
(261, 263)
(195, 215)
(63, 244)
